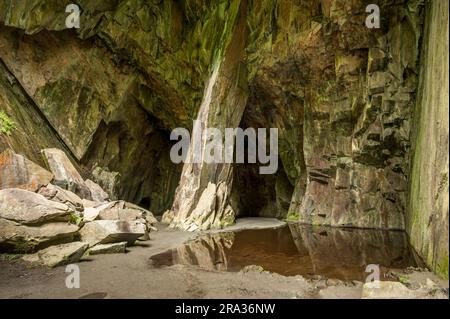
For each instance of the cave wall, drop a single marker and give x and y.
(340, 94)
(342, 97)
(115, 88)
(30, 131)
(93, 105)
(428, 196)
(357, 117)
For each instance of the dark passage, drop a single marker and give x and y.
(296, 250)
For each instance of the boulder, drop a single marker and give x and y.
(114, 248)
(121, 210)
(66, 175)
(18, 172)
(58, 255)
(57, 194)
(112, 231)
(97, 193)
(30, 208)
(18, 238)
(91, 213)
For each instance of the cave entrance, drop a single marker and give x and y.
(131, 161)
(145, 202)
(256, 195)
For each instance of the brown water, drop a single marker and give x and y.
(296, 250)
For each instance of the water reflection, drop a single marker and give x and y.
(296, 250)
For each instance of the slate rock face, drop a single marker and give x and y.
(18, 172)
(341, 96)
(427, 213)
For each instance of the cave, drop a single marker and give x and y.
(135, 165)
(259, 194)
(268, 103)
(88, 112)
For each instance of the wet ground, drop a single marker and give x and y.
(296, 250)
(132, 275)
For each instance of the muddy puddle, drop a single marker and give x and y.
(296, 250)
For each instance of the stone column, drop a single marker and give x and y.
(202, 196)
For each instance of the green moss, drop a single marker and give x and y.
(293, 216)
(23, 246)
(404, 280)
(75, 219)
(6, 124)
(228, 220)
(442, 267)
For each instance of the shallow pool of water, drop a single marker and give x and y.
(296, 250)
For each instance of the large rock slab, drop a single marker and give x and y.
(15, 237)
(112, 231)
(30, 208)
(194, 203)
(18, 172)
(114, 248)
(122, 210)
(57, 194)
(97, 193)
(66, 175)
(58, 255)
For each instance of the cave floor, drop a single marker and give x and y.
(132, 275)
